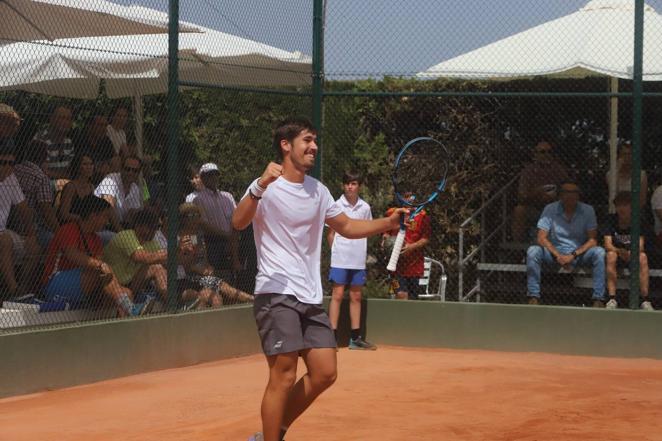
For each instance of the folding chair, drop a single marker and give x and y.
(440, 292)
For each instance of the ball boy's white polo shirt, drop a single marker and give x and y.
(351, 253)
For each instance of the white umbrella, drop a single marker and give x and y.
(597, 40)
(26, 20)
(137, 65)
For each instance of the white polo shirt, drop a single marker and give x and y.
(351, 253)
(10, 194)
(217, 208)
(112, 185)
(288, 227)
(656, 204)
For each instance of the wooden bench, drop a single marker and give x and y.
(582, 276)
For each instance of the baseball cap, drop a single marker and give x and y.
(209, 167)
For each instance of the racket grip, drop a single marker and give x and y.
(397, 247)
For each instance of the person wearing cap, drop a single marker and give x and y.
(217, 209)
(122, 192)
(15, 248)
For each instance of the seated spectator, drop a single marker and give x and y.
(122, 192)
(537, 188)
(98, 146)
(624, 174)
(74, 270)
(115, 131)
(195, 182)
(217, 208)
(199, 281)
(36, 187)
(59, 146)
(136, 258)
(618, 238)
(656, 206)
(79, 187)
(16, 247)
(567, 238)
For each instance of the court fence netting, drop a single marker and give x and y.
(524, 97)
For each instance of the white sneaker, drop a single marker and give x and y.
(612, 304)
(647, 306)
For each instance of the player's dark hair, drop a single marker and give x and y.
(352, 175)
(290, 129)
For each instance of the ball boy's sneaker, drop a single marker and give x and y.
(361, 344)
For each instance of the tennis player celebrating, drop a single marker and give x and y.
(288, 210)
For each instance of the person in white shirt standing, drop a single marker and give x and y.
(288, 210)
(217, 207)
(348, 257)
(115, 131)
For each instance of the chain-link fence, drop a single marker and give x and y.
(533, 100)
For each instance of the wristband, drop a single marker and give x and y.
(255, 190)
(574, 253)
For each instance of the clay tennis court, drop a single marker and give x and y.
(392, 394)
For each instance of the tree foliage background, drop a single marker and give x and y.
(489, 139)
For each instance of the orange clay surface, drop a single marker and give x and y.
(391, 394)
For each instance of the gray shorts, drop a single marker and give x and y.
(287, 325)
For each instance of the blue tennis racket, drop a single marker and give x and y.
(419, 175)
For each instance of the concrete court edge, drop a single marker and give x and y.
(48, 359)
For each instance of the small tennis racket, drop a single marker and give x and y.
(419, 175)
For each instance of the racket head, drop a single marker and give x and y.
(420, 171)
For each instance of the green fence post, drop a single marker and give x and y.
(318, 79)
(636, 150)
(173, 151)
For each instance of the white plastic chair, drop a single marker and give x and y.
(440, 292)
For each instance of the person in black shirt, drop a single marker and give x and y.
(617, 240)
(95, 143)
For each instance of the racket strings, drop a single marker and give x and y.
(421, 168)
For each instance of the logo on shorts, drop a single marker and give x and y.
(279, 344)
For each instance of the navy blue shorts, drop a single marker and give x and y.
(351, 277)
(409, 285)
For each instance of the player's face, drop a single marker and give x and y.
(302, 150)
(351, 189)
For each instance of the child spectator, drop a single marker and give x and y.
(348, 258)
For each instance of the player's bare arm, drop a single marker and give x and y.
(358, 229)
(245, 211)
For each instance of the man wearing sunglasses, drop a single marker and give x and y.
(122, 192)
(567, 238)
(537, 188)
(14, 248)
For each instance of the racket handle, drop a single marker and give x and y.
(397, 247)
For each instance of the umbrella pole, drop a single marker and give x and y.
(138, 112)
(613, 142)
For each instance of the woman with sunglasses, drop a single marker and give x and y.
(80, 186)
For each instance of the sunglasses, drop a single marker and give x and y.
(191, 215)
(132, 169)
(570, 191)
(9, 162)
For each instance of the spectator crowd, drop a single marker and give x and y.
(565, 231)
(78, 212)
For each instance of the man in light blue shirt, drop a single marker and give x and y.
(567, 237)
